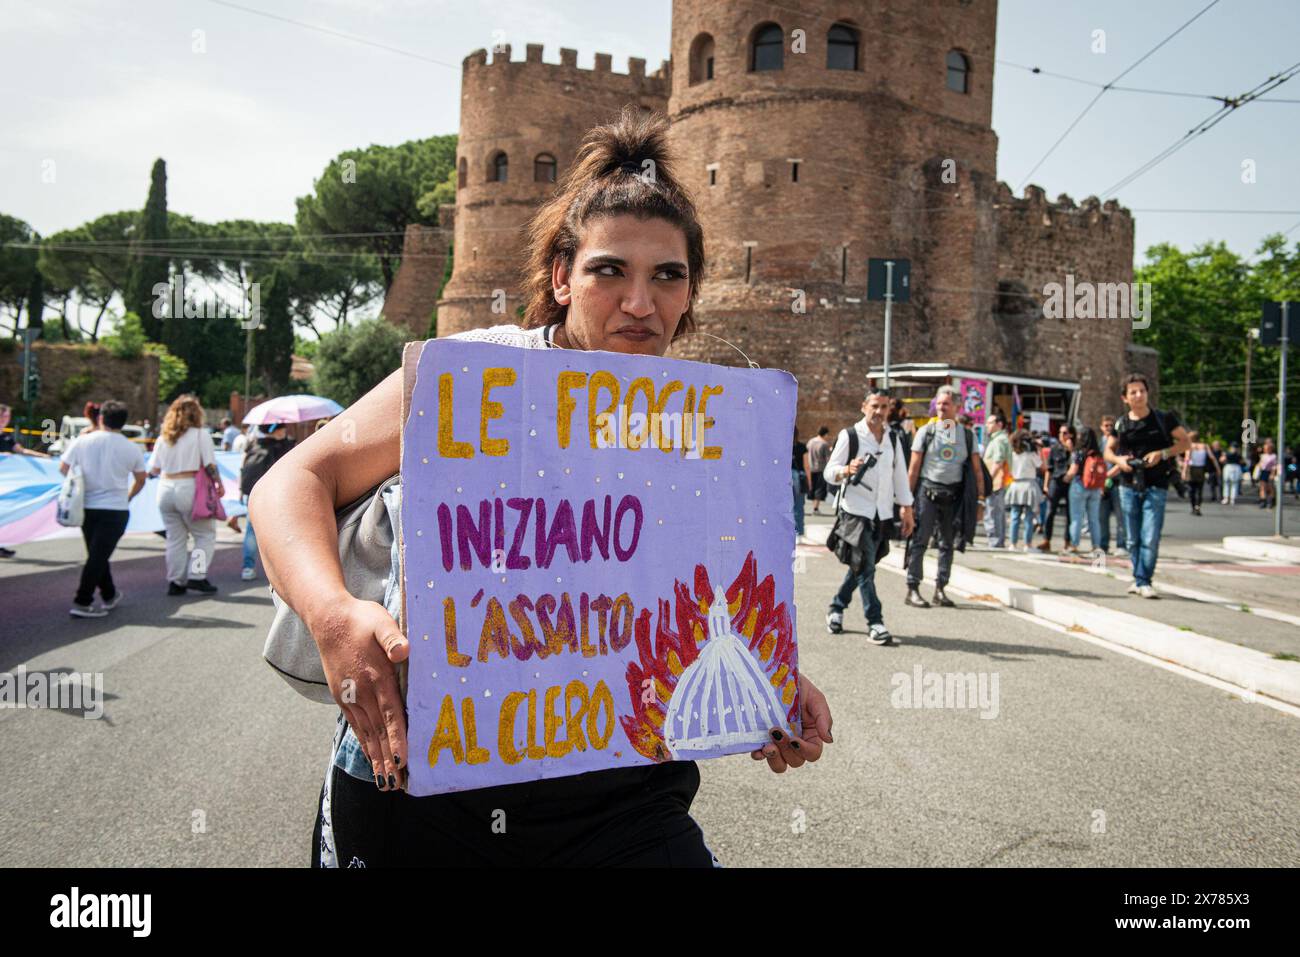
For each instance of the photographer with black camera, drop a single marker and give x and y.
(1145, 443)
(871, 470)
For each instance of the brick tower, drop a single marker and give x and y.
(810, 152)
(520, 126)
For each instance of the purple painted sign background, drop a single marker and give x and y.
(590, 586)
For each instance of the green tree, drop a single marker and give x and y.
(365, 199)
(273, 338)
(92, 261)
(1204, 305)
(172, 371)
(17, 265)
(150, 258)
(353, 360)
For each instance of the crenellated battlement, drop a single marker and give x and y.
(1035, 201)
(636, 76)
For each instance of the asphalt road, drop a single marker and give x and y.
(1088, 756)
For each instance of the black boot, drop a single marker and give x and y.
(942, 599)
(914, 599)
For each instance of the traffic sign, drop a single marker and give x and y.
(878, 269)
(1270, 326)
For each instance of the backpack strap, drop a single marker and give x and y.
(853, 453)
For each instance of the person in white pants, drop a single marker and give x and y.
(183, 449)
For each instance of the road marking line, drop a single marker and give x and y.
(1204, 679)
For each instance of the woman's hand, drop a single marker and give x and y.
(360, 644)
(788, 751)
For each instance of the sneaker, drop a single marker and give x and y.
(175, 588)
(201, 585)
(7, 553)
(248, 574)
(86, 611)
(1133, 588)
(1121, 550)
(879, 635)
(1148, 591)
(835, 622)
(113, 602)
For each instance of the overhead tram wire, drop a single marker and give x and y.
(1106, 87)
(810, 14)
(1205, 125)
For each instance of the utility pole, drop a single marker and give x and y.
(889, 302)
(1245, 403)
(1279, 482)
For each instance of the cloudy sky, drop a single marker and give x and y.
(248, 111)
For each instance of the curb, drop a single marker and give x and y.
(1270, 548)
(1248, 669)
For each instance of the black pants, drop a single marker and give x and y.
(1195, 486)
(633, 817)
(1058, 497)
(102, 529)
(937, 518)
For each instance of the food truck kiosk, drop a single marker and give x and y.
(1029, 402)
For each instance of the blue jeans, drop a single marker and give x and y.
(250, 545)
(865, 584)
(1144, 514)
(796, 485)
(1085, 501)
(1110, 503)
(1022, 513)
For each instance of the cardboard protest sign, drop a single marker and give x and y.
(596, 559)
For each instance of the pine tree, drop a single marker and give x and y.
(148, 267)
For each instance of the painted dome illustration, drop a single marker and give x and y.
(723, 699)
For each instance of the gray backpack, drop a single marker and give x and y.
(369, 554)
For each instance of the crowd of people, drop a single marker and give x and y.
(113, 470)
(928, 486)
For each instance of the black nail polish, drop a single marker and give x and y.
(776, 735)
(397, 760)
(794, 744)
(392, 781)
(379, 781)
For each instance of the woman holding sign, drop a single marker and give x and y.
(615, 262)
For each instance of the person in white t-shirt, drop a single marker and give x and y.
(109, 463)
(183, 448)
(243, 440)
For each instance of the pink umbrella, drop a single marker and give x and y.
(292, 408)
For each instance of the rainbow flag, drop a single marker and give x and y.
(1015, 406)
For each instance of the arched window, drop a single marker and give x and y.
(842, 48)
(462, 173)
(499, 169)
(769, 49)
(958, 72)
(544, 168)
(701, 59)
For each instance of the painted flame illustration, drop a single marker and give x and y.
(681, 627)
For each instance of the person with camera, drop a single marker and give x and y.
(869, 464)
(945, 470)
(1145, 443)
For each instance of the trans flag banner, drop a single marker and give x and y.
(29, 492)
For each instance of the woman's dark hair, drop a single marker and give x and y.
(610, 176)
(1022, 441)
(1087, 442)
(91, 411)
